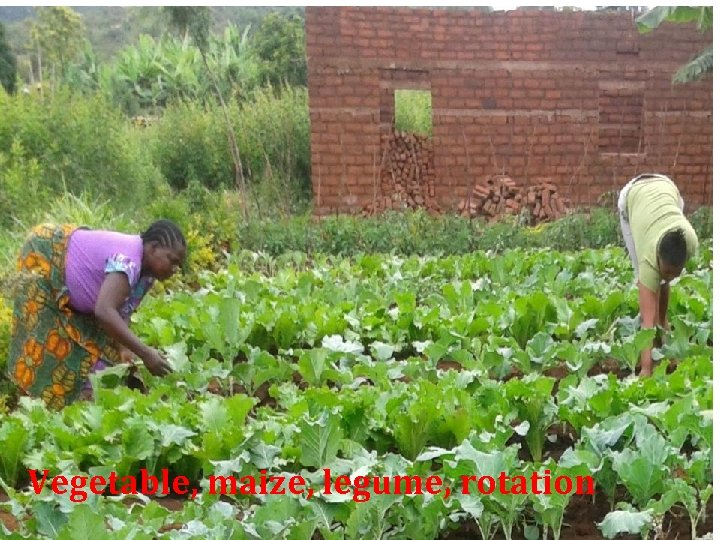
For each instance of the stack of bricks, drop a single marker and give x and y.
(501, 196)
(407, 175)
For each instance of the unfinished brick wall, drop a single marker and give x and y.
(577, 97)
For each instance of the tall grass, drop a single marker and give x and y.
(189, 143)
(413, 111)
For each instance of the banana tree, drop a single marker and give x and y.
(702, 63)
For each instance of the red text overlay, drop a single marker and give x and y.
(360, 488)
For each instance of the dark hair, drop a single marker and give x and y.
(673, 249)
(164, 232)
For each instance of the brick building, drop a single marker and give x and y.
(581, 98)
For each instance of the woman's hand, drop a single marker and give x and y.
(126, 356)
(113, 292)
(155, 363)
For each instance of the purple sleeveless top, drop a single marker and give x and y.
(91, 254)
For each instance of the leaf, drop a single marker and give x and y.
(412, 433)
(651, 410)
(650, 443)
(368, 520)
(471, 504)
(604, 435)
(164, 332)
(173, 434)
(382, 351)
(302, 531)
(437, 350)
(336, 343)
(406, 302)
(319, 440)
(263, 455)
(432, 453)
(676, 491)
(325, 514)
(652, 19)
(110, 377)
(276, 510)
(49, 518)
(238, 407)
(220, 414)
(580, 460)
(624, 521)
(229, 322)
(522, 428)
(138, 443)
(483, 463)
(644, 339)
(263, 366)
(83, 523)
(13, 441)
(230, 466)
(177, 357)
(695, 68)
(642, 477)
(285, 330)
(214, 414)
(312, 364)
(582, 329)
(539, 346)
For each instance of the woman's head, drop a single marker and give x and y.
(672, 254)
(164, 249)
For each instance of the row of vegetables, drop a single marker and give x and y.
(377, 365)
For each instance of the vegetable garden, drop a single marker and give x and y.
(402, 345)
(382, 365)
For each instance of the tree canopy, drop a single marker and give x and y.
(279, 46)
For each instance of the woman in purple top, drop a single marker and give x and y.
(71, 314)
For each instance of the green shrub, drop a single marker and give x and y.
(272, 132)
(20, 174)
(401, 233)
(419, 233)
(702, 222)
(80, 144)
(207, 218)
(595, 229)
(190, 144)
(8, 391)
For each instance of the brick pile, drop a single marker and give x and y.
(407, 175)
(500, 196)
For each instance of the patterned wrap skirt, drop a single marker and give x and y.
(52, 348)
